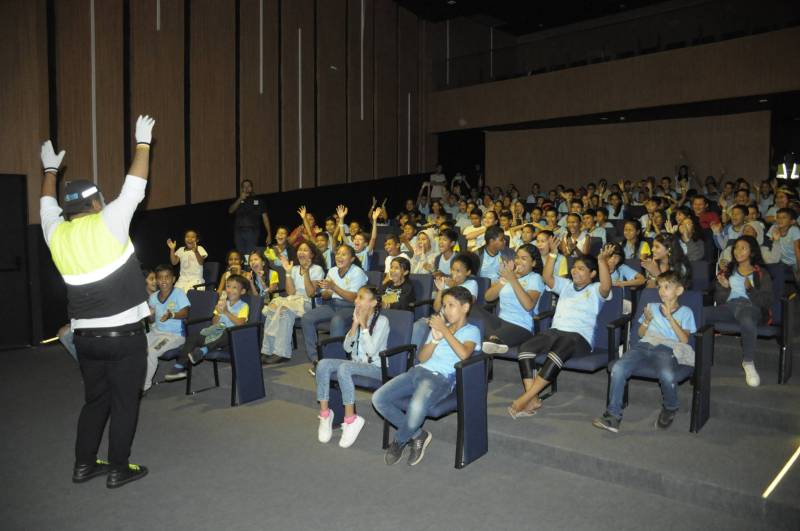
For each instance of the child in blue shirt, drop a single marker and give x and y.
(168, 306)
(572, 330)
(231, 311)
(664, 331)
(451, 340)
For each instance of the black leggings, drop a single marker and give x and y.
(199, 340)
(508, 333)
(559, 347)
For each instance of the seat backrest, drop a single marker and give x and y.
(691, 299)
(211, 271)
(202, 303)
(281, 277)
(483, 285)
(635, 264)
(701, 280)
(423, 290)
(255, 302)
(400, 324)
(778, 274)
(610, 311)
(611, 234)
(374, 278)
(595, 245)
(377, 260)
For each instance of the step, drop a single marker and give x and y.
(715, 469)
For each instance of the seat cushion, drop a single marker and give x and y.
(362, 382)
(170, 354)
(589, 363)
(733, 328)
(445, 406)
(682, 373)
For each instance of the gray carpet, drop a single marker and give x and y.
(259, 466)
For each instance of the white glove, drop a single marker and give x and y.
(51, 161)
(144, 129)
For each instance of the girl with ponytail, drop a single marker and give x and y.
(364, 342)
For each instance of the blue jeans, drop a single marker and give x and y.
(742, 312)
(643, 354)
(344, 370)
(419, 333)
(423, 387)
(340, 314)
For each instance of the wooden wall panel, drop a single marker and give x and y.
(759, 64)
(386, 127)
(297, 95)
(360, 89)
(331, 94)
(258, 92)
(23, 95)
(572, 156)
(110, 91)
(74, 86)
(408, 93)
(213, 99)
(157, 89)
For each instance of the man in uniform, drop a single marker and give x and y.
(106, 298)
(250, 213)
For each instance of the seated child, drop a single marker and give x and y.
(572, 330)
(234, 262)
(302, 281)
(168, 306)
(365, 340)
(664, 331)
(398, 293)
(191, 258)
(451, 340)
(231, 311)
(263, 279)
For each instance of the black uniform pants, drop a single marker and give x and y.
(113, 371)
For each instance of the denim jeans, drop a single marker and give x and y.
(419, 333)
(643, 354)
(280, 343)
(742, 312)
(424, 388)
(340, 314)
(344, 370)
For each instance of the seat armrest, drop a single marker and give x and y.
(204, 285)
(544, 315)
(787, 317)
(327, 341)
(417, 304)
(472, 360)
(616, 339)
(410, 351)
(199, 320)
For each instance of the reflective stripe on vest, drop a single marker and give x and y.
(84, 250)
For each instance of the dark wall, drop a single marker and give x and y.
(461, 151)
(151, 228)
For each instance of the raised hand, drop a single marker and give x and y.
(669, 226)
(171, 244)
(438, 327)
(50, 161)
(439, 283)
(302, 212)
(286, 264)
(716, 227)
(648, 315)
(376, 213)
(650, 266)
(144, 129)
(341, 212)
(553, 242)
(606, 252)
(508, 270)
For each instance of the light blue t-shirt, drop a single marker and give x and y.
(352, 280)
(490, 266)
(444, 358)
(577, 310)
(660, 326)
(240, 309)
(599, 232)
(444, 264)
(623, 273)
(315, 272)
(786, 243)
(511, 310)
(472, 286)
(175, 302)
(363, 257)
(738, 291)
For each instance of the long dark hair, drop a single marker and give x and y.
(676, 258)
(534, 253)
(756, 260)
(375, 296)
(637, 226)
(316, 257)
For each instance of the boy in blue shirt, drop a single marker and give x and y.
(451, 340)
(231, 311)
(168, 306)
(664, 331)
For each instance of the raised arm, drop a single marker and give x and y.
(50, 162)
(376, 212)
(550, 264)
(140, 167)
(605, 275)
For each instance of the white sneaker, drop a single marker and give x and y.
(325, 431)
(750, 374)
(350, 432)
(494, 348)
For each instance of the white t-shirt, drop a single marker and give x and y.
(190, 267)
(388, 262)
(352, 280)
(315, 273)
(438, 185)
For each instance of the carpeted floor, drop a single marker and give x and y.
(259, 466)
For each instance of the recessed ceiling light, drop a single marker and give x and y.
(451, 2)
(604, 118)
(541, 25)
(621, 118)
(763, 100)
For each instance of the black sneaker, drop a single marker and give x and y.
(197, 355)
(394, 452)
(175, 374)
(85, 472)
(418, 446)
(118, 477)
(665, 418)
(607, 422)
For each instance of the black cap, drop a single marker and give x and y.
(78, 196)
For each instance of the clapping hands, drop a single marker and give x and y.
(438, 327)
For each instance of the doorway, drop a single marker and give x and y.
(15, 310)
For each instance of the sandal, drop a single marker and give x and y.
(520, 414)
